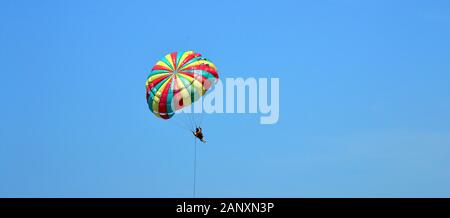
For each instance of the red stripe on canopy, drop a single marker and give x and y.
(160, 67)
(174, 59)
(162, 107)
(188, 58)
(156, 81)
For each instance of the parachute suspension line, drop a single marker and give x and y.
(181, 124)
(194, 118)
(186, 120)
(195, 163)
(191, 122)
(197, 118)
(202, 114)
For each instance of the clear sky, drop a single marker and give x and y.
(364, 99)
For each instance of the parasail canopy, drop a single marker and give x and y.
(177, 81)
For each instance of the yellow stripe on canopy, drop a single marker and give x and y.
(183, 57)
(161, 89)
(156, 76)
(155, 105)
(162, 63)
(169, 59)
(183, 93)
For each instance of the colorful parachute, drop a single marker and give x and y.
(178, 80)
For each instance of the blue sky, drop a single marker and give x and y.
(364, 99)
